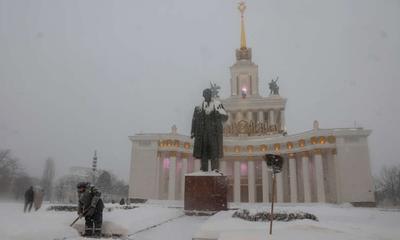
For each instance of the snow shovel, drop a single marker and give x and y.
(79, 217)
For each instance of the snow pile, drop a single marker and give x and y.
(74, 208)
(278, 216)
(64, 208)
(16, 225)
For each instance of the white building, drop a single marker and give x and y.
(320, 165)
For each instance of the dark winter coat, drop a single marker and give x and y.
(29, 195)
(207, 130)
(91, 197)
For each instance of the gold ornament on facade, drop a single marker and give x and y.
(302, 143)
(289, 145)
(250, 149)
(243, 127)
(314, 140)
(186, 145)
(331, 139)
(277, 147)
(176, 143)
(250, 128)
(237, 149)
(322, 140)
(263, 148)
(173, 154)
(317, 151)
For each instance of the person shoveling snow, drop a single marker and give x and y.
(91, 207)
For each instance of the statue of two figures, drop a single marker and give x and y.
(273, 87)
(207, 130)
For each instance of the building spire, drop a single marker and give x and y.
(242, 8)
(94, 167)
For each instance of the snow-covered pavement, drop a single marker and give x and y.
(180, 228)
(165, 220)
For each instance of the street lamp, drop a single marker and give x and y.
(274, 164)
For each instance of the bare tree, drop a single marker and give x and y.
(104, 182)
(8, 171)
(65, 188)
(22, 182)
(388, 186)
(47, 179)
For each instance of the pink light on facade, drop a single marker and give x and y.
(243, 169)
(166, 163)
(244, 92)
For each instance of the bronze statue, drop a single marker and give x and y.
(207, 131)
(273, 87)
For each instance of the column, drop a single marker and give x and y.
(265, 186)
(171, 179)
(251, 181)
(282, 123)
(279, 187)
(260, 116)
(337, 178)
(271, 116)
(319, 177)
(196, 165)
(249, 116)
(163, 177)
(239, 116)
(184, 171)
(293, 179)
(159, 167)
(306, 179)
(222, 166)
(236, 181)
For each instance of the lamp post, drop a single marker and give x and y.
(274, 164)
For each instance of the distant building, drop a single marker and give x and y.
(320, 165)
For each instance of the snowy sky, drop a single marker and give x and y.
(76, 76)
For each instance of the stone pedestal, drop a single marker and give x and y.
(205, 193)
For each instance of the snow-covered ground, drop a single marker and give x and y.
(160, 220)
(42, 225)
(335, 222)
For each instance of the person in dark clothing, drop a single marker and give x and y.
(28, 199)
(91, 207)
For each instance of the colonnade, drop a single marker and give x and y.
(304, 178)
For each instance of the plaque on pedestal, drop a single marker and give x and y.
(205, 192)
